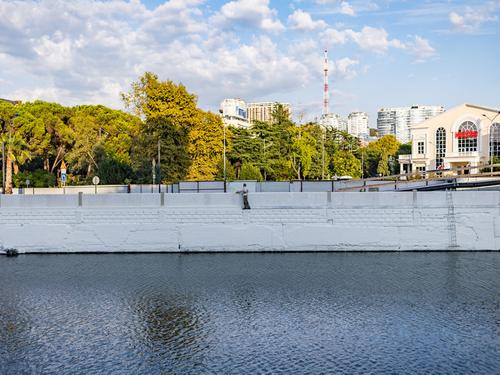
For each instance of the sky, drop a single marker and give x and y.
(382, 52)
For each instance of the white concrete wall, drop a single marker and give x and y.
(393, 221)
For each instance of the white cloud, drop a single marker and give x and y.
(301, 20)
(346, 8)
(421, 49)
(87, 52)
(374, 39)
(472, 19)
(369, 38)
(344, 68)
(253, 13)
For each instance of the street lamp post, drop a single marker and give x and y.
(159, 167)
(3, 166)
(224, 146)
(491, 140)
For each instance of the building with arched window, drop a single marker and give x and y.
(464, 136)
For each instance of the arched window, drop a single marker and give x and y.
(467, 137)
(440, 147)
(495, 140)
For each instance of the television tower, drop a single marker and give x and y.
(325, 89)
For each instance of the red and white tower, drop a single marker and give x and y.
(325, 89)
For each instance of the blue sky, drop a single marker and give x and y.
(382, 52)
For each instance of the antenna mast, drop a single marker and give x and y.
(325, 89)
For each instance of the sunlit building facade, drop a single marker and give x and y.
(333, 121)
(234, 113)
(357, 124)
(398, 120)
(464, 136)
(264, 111)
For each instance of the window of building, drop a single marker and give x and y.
(440, 147)
(420, 169)
(495, 140)
(420, 148)
(467, 137)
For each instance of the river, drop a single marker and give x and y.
(250, 313)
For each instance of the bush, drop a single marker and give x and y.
(38, 178)
(250, 172)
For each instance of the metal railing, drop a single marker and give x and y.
(405, 181)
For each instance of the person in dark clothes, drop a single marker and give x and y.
(244, 194)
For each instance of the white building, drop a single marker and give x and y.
(467, 135)
(264, 111)
(234, 113)
(357, 124)
(398, 120)
(334, 121)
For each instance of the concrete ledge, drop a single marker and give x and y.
(390, 221)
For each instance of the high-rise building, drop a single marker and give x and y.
(334, 121)
(357, 124)
(398, 120)
(234, 112)
(264, 111)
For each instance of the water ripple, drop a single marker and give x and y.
(250, 313)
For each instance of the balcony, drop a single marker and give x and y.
(473, 155)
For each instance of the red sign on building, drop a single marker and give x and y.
(466, 134)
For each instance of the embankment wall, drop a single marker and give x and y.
(372, 221)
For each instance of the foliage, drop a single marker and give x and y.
(250, 172)
(38, 178)
(346, 164)
(230, 170)
(382, 156)
(122, 147)
(205, 146)
(405, 149)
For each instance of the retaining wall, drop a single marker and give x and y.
(462, 220)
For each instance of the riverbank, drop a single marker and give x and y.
(372, 221)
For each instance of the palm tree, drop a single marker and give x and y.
(17, 153)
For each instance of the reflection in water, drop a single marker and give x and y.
(250, 313)
(171, 332)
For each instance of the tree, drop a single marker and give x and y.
(97, 129)
(304, 149)
(170, 114)
(45, 128)
(230, 171)
(381, 152)
(346, 164)
(206, 145)
(250, 172)
(16, 153)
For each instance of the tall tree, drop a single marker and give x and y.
(206, 145)
(170, 112)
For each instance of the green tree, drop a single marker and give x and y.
(16, 154)
(170, 114)
(380, 153)
(206, 145)
(97, 129)
(230, 171)
(303, 152)
(346, 164)
(250, 172)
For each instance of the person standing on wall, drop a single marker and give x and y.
(244, 195)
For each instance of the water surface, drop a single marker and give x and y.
(251, 313)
